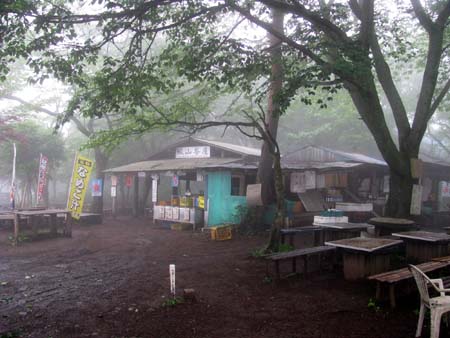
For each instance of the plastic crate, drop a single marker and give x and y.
(221, 233)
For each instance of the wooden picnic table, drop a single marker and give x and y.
(291, 232)
(385, 226)
(336, 231)
(34, 219)
(421, 246)
(365, 256)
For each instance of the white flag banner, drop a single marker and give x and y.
(13, 180)
(42, 178)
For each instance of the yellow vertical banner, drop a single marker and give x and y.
(82, 169)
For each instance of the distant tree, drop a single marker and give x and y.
(34, 140)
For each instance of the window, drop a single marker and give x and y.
(237, 185)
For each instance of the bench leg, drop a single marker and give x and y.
(378, 291)
(305, 266)
(277, 269)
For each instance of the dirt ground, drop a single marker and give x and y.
(112, 280)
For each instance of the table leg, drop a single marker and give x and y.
(53, 224)
(68, 226)
(32, 224)
(16, 229)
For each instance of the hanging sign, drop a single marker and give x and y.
(154, 191)
(254, 195)
(416, 200)
(97, 187)
(175, 181)
(80, 178)
(128, 181)
(200, 176)
(42, 178)
(113, 191)
(113, 180)
(298, 182)
(141, 174)
(193, 152)
(444, 189)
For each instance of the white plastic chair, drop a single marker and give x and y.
(437, 305)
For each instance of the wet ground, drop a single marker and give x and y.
(112, 280)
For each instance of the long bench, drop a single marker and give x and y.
(391, 278)
(293, 255)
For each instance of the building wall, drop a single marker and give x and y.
(222, 206)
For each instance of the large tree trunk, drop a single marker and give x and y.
(265, 170)
(398, 158)
(274, 239)
(399, 201)
(101, 161)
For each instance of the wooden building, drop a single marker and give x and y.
(203, 182)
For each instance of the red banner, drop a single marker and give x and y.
(42, 179)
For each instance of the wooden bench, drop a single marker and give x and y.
(290, 233)
(390, 278)
(293, 255)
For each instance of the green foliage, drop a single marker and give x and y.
(285, 248)
(171, 302)
(258, 253)
(10, 335)
(372, 305)
(32, 140)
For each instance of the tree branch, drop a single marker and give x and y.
(422, 16)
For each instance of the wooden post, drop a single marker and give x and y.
(53, 224)
(114, 205)
(136, 196)
(16, 229)
(68, 228)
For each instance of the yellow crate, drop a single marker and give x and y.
(181, 226)
(221, 233)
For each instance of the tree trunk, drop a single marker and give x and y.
(101, 161)
(274, 240)
(400, 190)
(265, 170)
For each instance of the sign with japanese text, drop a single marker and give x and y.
(193, 152)
(80, 181)
(42, 178)
(114, 180)
(128, 181)
(96, 187)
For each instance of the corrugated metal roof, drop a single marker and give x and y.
(320, 154)
(320, 165)
(232, 147)
(172, 164)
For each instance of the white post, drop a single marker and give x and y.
(172, 279)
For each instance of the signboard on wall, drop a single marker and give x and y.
(298, 182)
(254, 195)
(310, 180)
(96, 187)
(193, 152)
(154, 191)
(416, 200)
